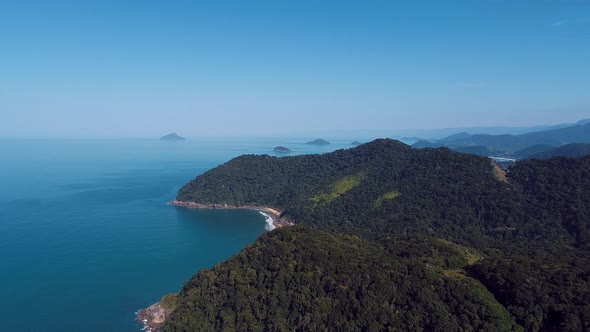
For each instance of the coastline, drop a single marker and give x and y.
(278, 220)
(153, 317)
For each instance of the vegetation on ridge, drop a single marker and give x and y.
(338, 189)
(308, 280)
(389, 195)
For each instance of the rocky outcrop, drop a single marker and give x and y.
(154, 316)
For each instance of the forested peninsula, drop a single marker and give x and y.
(392, 238)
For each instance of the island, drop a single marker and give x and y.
(356, 143)
(318, 141)
(172, 137)
(281, 149)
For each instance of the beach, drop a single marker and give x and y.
(278, 220)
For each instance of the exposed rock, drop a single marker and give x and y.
(155, 315)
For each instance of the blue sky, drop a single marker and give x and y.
(145, 68)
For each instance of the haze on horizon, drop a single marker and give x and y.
(146, 68)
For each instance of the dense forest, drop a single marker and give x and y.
(418, 238)
(309, 280)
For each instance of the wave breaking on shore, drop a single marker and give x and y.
(269, 221)
(273, 216)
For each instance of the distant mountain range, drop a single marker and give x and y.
(517, 146)
(569, 150)
(532, 150)
(498, 130)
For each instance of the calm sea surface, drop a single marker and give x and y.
(86, 238)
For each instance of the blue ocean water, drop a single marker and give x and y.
(86, 238)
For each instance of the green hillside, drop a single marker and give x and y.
(520, 239)
(448, 194)
(308, 280)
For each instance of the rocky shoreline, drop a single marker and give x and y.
(278, 219)
(153, 317)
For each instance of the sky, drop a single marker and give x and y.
(277, 67)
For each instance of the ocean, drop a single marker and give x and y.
(86, 237)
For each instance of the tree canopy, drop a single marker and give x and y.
(417, 237)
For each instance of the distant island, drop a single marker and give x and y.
(281, 149)
(356, 143)
(172, 137)
(318, 141)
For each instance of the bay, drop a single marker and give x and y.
(86, 237)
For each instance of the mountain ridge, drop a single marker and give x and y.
(511, 145)
(390, 195)
(569, 150)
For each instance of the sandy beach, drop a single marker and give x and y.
(275, 214)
